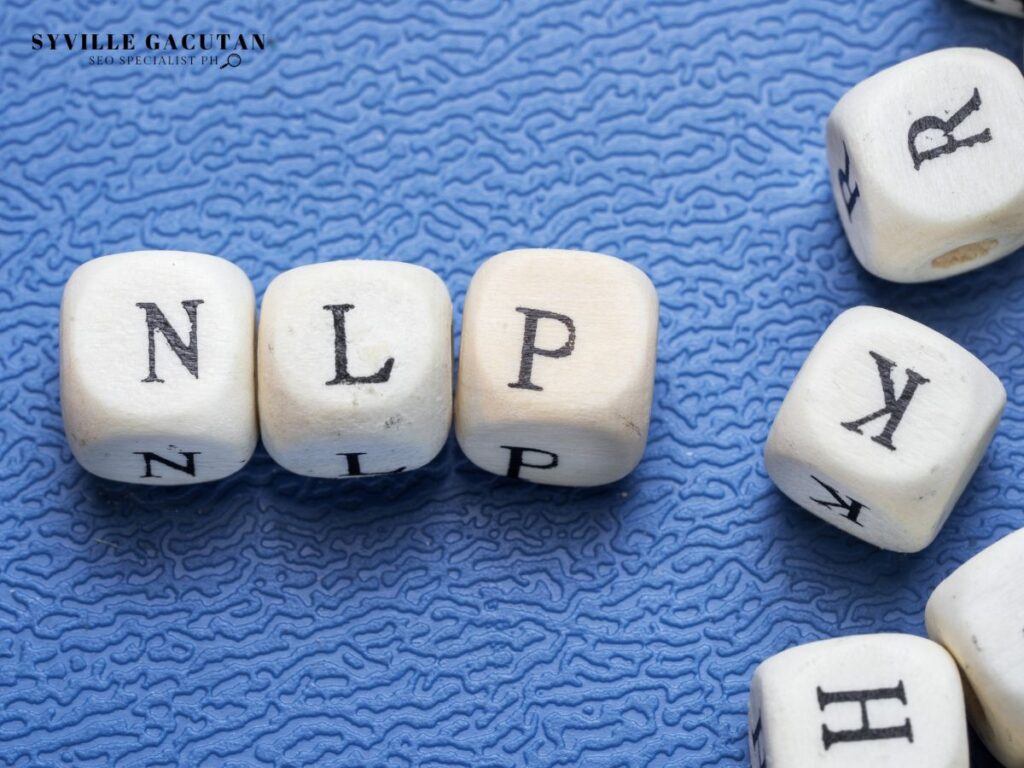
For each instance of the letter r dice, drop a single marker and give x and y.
(556, 371)
(157, 367)
(883, 427)
(878, 701)
(926, 161)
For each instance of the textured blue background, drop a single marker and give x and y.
(447, 617)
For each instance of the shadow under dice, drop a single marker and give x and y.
(883, 427)
(868, 701)
(978, 615)
(156, 367)
(556, 370)
(355, 368)
(927, 165)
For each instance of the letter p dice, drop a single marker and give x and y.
(556, 371)
(157, 372)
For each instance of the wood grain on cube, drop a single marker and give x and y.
(977, 613)
(355, 368)
(156, 367)
(556, 369)
(866, 701)
(883, 427)
(927, 165)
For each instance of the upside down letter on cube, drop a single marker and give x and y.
(883, 427)
(927, 166)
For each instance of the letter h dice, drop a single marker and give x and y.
(156, 367)
(556, 371)
(878, 701)
(927, 165)
(883, 427)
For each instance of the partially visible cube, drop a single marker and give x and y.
(156, 367)
(883, 427)
(978, 615)
(355, 368)
(867, 701)
(1011, 7)
(556, 371)
(927, 166)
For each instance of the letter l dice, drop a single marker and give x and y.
(927, 164)
(556, 372)
(866, 701)
(157, 367)
(883, 428)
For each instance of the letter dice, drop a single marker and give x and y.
(883, 427)
(355, 368)
(867, 701)
(925, 160)
(156, 367)
(556, 370)
(1011, 7)
(978, 615)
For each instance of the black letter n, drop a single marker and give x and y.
(188, 354)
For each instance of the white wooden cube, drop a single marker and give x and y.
(556, 369)
(355, 368)
(883, 427)
(1011, 7)
(926, 165)
(157, 378)
(978, 615)
(867, 701)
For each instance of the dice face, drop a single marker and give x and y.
(1011, 7)
(884, 701)
(883, 427)
(556, 370)
(978, 615)
(156, 367)
(355, 368)
(925, 162)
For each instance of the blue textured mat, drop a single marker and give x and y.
(447, 617)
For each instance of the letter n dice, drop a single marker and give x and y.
(883, 428)
(156, 367)
(556, 370)
(927, 164)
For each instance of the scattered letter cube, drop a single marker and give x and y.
(978, 615)
(868, 701)
(925, 160)
(883, 427)
(556, 370)
(156, 367)
(1012, 7)
(355, 368)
